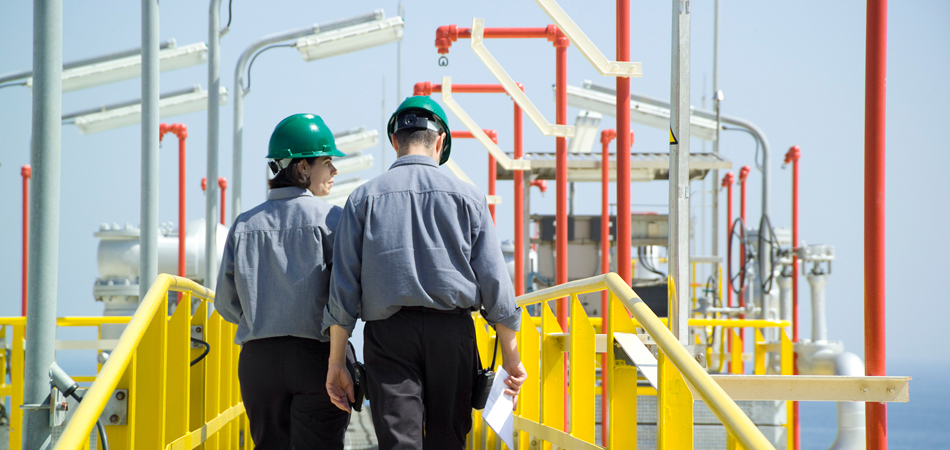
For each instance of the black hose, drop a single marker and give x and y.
(99, 427)
(251, 64)
(749, 256)
(207, 347)
(765, 225)
(647, 265)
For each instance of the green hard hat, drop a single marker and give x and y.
(302, 136)
(404, 118)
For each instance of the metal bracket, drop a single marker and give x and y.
(586, 46)
(116, 411)
(197, 332)
(479, 134)
(548, 129)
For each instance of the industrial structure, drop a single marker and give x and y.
(624, 326)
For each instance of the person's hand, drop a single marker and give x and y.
(340, 386)
(516, 377)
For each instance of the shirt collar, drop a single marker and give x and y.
(288, 192)
(414, 159)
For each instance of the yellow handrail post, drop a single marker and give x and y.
(736, 351)
(582, 372)
(16, 379)
(674, 408)
(213, 377)
(484, 356)
(621, 382)
(552, 372)
(788, 363)
(198, 390)
(760, 346)
(529, 399)
(150, 386)
(179, 350)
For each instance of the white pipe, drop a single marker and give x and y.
(785, 301)
(819, 325)
(829, 359)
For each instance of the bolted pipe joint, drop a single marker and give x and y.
(444, 37)
(744, 173)
(728, 180)
(422, 88)
(793, 155)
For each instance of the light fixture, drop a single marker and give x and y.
(353, 163)
(349, 39)
(585, 132)
(642, 112)
(130, 113)
(351, 141)
(129, 67)
(342, 191)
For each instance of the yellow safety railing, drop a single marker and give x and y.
(14, 389)
(563, 414)
(171, 404)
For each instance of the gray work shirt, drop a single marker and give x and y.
(415, 236)
(275, 271)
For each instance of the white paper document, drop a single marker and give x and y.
(497, 412)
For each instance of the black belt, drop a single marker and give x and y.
(423, 309)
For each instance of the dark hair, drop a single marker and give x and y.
(291, 177)
(414, 136)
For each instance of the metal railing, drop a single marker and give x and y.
(171, 404)
(551, 413)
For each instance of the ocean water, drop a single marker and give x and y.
(922, 423)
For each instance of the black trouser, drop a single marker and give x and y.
(420, 365)
(283, 384)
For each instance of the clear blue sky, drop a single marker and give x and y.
(795, 69)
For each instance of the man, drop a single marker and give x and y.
(415, 253)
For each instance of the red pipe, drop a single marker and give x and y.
(25, 172)
(492, 168)
(447, 34)
(542, 185)
(792, 157)
(223, 184)
(518, 177)
(727, 182)
(875, 101)
(623, 147)
(181, 131)
(605, 137)
(743, 176)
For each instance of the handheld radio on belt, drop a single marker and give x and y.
(358, 374)
(484, 379)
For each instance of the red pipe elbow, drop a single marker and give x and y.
(445, 36)
(728, 180)
(793, 154)
(422, 88)
(204, 184)
(607, 135)
(542, 185)
(26, 171)
(222, 183)
(744, 173)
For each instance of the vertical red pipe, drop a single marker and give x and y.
(875, 96)
(223, 184)
(727, 182)
(181, 131)
(519, 205)
(560, 44)
(743, 176)
(792, 157)
(605, 137)
(492, 176)
(624, 142)
(26, 173)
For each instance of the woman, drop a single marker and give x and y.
(274, 282)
